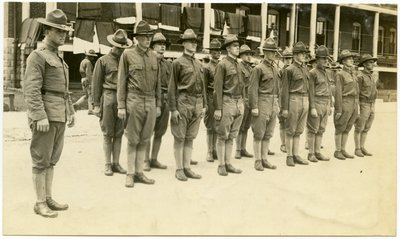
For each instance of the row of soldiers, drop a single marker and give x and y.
(136, 92)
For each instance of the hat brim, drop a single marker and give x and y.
(223, 47)
(188, 39)
(167, 43)
(58, 26)
(119, 45)
(245, 52)
(89, 54)
(304, 51)
(369, 59)
(341, 58)
(268, 49)
(213, 48)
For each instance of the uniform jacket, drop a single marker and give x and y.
(346, 85)
(86, 69)
(367, 83)
(319, 85)
(209, 72)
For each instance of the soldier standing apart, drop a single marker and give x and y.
(86, 70)
(229, 94)
(104, 85)
(294, 99)
(320, 105)
(346, 103)
(263, 99)
(159, 45)
(139, 100)
(49, 108)
(287, 57)
(187, 102)
(367, 82)
(245, 53)
(209, 71)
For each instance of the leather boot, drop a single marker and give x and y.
(258, 165)
(180, 175)
(347, 155)
(238, 154)
(267, 164)
(215, 155)
(283, 148)
(270, 152)
(107, 170)
(231, 169)
(290, 161)
(108, 149)
(339, 155)
(365, 152)
(358, 153)
(190, 174)
(154, 163)
(321, 157)
(297, 159)
(43, 210)
(318, 142)
(146, 166)
(344, 142)
(363, 138)
(129, 183)
(221, 151)
(210, 146)
(116, 168)
(312, 158)
(55, 206)
(116, 150)
(246, 154)
(222, 170)
(141, 178)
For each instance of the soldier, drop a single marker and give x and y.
(49, 109)
(346, 103)
(159, 45)
(320, 105)
(209, 71)
(294, 100)
(139, 100)
(104, 85)
(187, 102)
(287, 57)
(229, 94)
(86, 70)
(245, 53)
(367, 83)
(263, 100)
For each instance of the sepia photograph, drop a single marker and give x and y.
(199, 118)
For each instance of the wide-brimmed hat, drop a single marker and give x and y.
(366, 57)
(188, 35)
(56, 19)
(215, 44)
(322, 52)
(119, 39)
(143, 28)
(245, 49)
(159, 38)
(91, 52)
(345, 54)
(287, 53)
(335, 66)
(231, 38)
(300, 47)
(269, 45)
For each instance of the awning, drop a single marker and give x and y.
(103, 30)
(30, 32)
(254, 28)
(170, 17)
(151, 13)
(193, 18)
(123, 10)
(235, 23)
(84, 29)
(69, 8)
(89, 10)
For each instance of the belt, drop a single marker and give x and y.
(192, 94)
(55, 93)
(110, 89)
(298, 93)
(322, 96)
(138, 92)
(349, 96)
(233, 96)
(367, 101)
(267, 94)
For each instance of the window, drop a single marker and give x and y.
(356, 36)
(392, 41)
(321, 31)
(381, 35)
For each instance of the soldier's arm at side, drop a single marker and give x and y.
(338, 94)
(172, 86)
(285, 90)
(218, 85)
(33, 82)
(97, 82)
(123, 71)
(253, 88)
(158, 86)
(311, 87)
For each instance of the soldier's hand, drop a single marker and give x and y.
(314, 113)
(71, 121)
(158, 111)
(175, 116)
(42, 125)
(122, 114)
(337, 116)
(254, 112)
(203, 112)
(96, 111)
(217, 114)
(285, 114)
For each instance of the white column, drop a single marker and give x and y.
(292, 29)
(264, 15)
(50, 6)
(336, 29)
(183, 5)
(375, 36)
(139, 17)
(207, 14)
(313, 23)
(25, 10)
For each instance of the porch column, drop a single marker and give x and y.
(25, 10)
(313, 23)
(292, 29)
(336, 29)
(375, 36)
(264, 15)
(207, 16)
(50, 6)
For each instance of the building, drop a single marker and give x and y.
(361, 28)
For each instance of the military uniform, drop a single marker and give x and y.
(86, 71)
(209, 72)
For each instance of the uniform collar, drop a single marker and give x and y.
(49, 46)
(298, 64)
(214, 61)
(323, 69)
(187, 56)
(348, 69)
(231, 59)
(141, 52)
(111, 53)
(267, 62)
(367, 72)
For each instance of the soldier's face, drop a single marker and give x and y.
(321, 62)
(215, 54)
(349, 61)
(233, 49)
(159, 48)
(300, 57)
(287, 61)
(246, 57)
(190, 45)
(118, 51)
(270, 55)
(369, 65)
(56, 35)
(144, 40)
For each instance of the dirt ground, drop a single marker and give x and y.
(352, 197)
